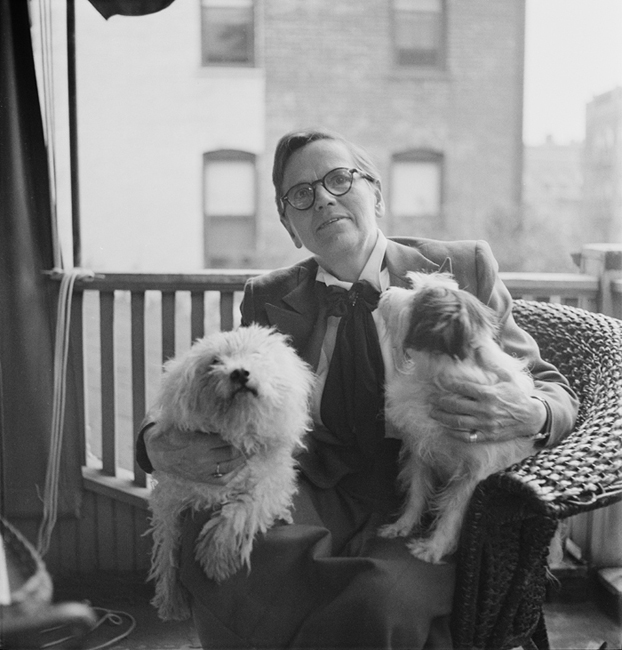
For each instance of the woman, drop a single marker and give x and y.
(328, 581)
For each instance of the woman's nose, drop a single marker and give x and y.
(322, 197)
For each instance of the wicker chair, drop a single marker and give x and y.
(502, 563)
(31, 613)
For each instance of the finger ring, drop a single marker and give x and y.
(473, 436)
(217, 473)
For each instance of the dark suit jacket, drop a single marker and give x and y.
(285, 298)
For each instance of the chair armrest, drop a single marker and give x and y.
(584, 471)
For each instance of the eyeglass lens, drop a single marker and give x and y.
(337, 182)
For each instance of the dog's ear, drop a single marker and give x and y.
(455, 332)
(473, 322)
(439, 323)
(446, 266)
(482, 319)
(183, 384)
(395, 306)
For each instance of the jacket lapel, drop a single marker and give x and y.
(299, 315)
(402, 258)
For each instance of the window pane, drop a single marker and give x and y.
(418, 5)
(230, 240)
(418, 31)
(229, 188)
(415, 189)
(227, 32)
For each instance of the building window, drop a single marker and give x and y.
(229, 200)
(419, 32)
(416, 192)
(227, 32)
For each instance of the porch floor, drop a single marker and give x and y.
(573, 623)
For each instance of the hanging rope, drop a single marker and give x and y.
(61, 352)
(43, 43)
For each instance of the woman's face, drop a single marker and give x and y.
(334, 227)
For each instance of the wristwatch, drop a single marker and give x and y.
(542, 437)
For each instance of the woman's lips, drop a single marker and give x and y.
(330, 221)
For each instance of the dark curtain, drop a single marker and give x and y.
(109, 8)
(27, 300)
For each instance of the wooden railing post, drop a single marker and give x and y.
(604, 261)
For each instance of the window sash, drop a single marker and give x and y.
(227, 32)
(416, 187)
(229, 240)
(229, 188)
(229, 207)
(418, 32)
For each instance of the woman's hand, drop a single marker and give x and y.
(495, 413)
(193, 455)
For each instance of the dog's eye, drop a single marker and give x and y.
(216, 361)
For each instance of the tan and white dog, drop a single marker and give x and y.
(438, 331)
(252, 389)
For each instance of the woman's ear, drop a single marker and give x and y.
(292, 233)
(380, 207)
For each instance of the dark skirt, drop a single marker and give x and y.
(327, 581)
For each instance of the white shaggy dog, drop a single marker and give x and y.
(439, 331)
(252, 389)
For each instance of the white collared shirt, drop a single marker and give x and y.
(378, 277)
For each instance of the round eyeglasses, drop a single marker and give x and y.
(337, 181)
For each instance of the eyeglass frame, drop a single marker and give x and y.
(320, 181)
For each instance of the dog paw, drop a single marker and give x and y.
(172, 605)
(397, 529)
(222, 548)
(426, 550)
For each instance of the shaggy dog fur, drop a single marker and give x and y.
(251, 388)
(438, 331)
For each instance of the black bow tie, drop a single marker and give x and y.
(353, 397)
(339, 300)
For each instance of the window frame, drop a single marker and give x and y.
(251, 61)
(420, 156)
(245, 257)
(440, 61)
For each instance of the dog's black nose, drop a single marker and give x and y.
(240, 376)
